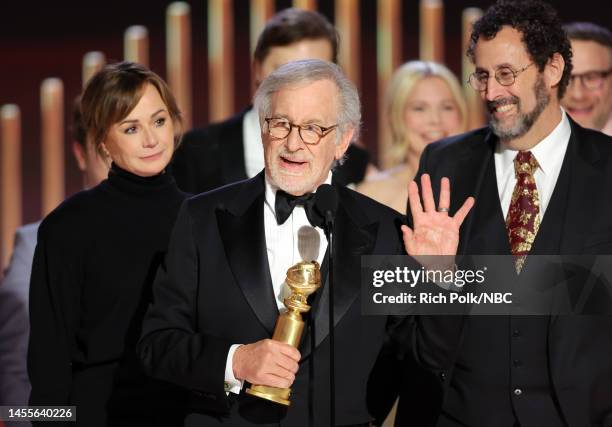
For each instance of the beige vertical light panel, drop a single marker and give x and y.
(178, 57)
(347, 23)
(388, 57)
(10, 179)
(261, 11)
(476, 113)
(305, 4)
(431, 37)
(52, 140)
(92, 63)
(136, 45)
(220, 59)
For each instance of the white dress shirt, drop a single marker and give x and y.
(549, 153)
(253, 148)
(287, 244)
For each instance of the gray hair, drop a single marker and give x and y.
(299, 73)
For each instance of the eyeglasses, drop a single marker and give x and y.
(311, 134)
(505, 76)
(591, 80)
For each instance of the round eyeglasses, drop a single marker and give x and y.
(505, 76)
(311, 134)
(591, 80)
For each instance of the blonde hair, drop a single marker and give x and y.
(401, 86)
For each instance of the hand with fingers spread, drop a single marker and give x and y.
(434, 231)
(266, 362)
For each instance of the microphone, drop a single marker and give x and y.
(308, 243)
(326, 203)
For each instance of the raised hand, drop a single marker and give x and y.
(266, 362)
(434, 232)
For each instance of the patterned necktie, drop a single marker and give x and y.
(523, 220)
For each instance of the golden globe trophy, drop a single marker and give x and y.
(304, 278)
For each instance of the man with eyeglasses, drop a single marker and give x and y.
(217, 298)
(588, 99)
(533, 182)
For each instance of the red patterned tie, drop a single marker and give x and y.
(523, 218)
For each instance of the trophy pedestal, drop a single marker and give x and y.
(275, 394)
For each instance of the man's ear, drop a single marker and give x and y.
(345, 141)
(79, 155)
(554, 69)
(257, 74)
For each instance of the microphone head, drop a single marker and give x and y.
(326, 200)
(309, 243)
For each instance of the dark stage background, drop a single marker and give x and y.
(49, 38)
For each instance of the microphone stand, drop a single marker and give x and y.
(329, 233)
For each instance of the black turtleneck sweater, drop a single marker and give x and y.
(94, 264)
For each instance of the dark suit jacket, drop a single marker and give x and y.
(15, 321)
(213, 156)
(577, 221)
(215, 290)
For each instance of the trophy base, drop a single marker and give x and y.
(274, 394)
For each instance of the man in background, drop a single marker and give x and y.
(231, 150)
(588, 99)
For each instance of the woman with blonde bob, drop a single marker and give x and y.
(424, 103)
(96, 258)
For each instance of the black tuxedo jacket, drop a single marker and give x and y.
(213, 156)
(578, 220)
(215, 290)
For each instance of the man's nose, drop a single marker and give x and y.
(294, 140)
(494, 89)
(575, 89)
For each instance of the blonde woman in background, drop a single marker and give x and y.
(424, 104)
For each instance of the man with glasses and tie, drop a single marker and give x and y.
(219, 293)
(588, 98)
(532, 182)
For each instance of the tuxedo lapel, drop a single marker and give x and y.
(478, 180)
(354, 237)
(246, 256)
(584, 195)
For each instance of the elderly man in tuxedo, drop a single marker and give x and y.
(219, 292)
(535, 183)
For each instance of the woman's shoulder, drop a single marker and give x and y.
(389, 187)
(74, 212)
(386, 180)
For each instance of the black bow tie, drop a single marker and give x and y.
(284, 204)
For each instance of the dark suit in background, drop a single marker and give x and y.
(213, 156)
(537, 370)
(215, 290)
(15, 322)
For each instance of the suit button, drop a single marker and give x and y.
(516, 333)
(517, 391)
(517, 363)
(443, 376)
